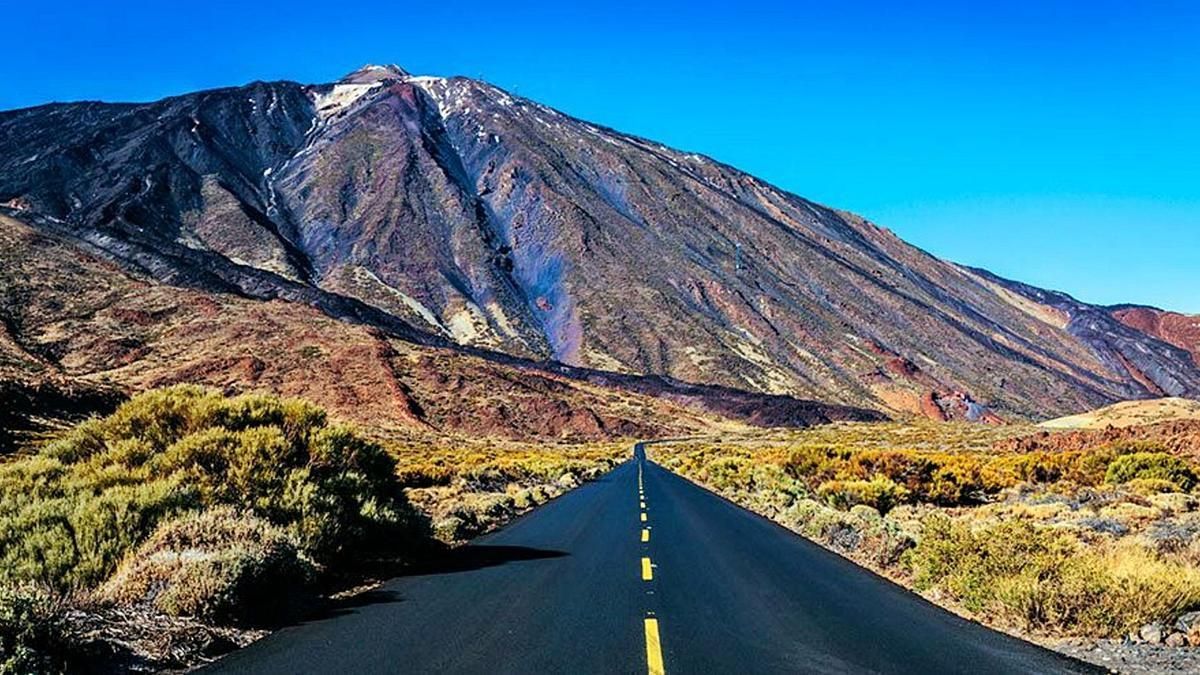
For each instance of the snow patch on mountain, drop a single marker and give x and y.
(339, 98)
(445, 94)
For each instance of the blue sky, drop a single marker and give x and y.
(1054, 142)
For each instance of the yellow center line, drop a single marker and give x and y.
(654, 660)
(654, 657)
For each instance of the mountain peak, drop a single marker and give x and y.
(374, 73)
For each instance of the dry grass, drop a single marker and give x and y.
(216, 565)
(1047, 580)
(1130, 413)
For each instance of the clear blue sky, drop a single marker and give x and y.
(1054, 142)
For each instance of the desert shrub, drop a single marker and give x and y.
(1004, 471)
(455, 527)
(1045, 580)
(493, 469)
(1064, 578)
(1152, 465)
(217, 565)
(956, 480)
(1129, 446)
(1150, 486)
(972, 565)
(816, 464)
(424, 475)
(833, 528)
(799, 514)
(863, 532)
(952, 478)
(70, 514)
(729, 473)
(33, 633)
(474, 513)
(879, 493)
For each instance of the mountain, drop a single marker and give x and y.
(448, 213)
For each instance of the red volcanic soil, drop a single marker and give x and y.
(1181, 330)
(930, 407)
(1180, 437)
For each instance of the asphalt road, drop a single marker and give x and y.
(585, 585)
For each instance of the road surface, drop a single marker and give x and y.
(665, 577)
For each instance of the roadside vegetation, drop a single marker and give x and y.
(187, 508)
(1100, 540)
(467, 487)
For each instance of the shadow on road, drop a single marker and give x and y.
(448, 561)
(465, 559)
(478, 556)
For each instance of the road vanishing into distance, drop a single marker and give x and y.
(642, 571)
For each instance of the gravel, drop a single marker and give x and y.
(1133, 658)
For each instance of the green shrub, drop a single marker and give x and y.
(33, 633)
(879, 493)
(73, 540)
(1153, 465)
(69, 515)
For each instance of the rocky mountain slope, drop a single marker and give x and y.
(79, 330)
(1181, 330)
(445, 211)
